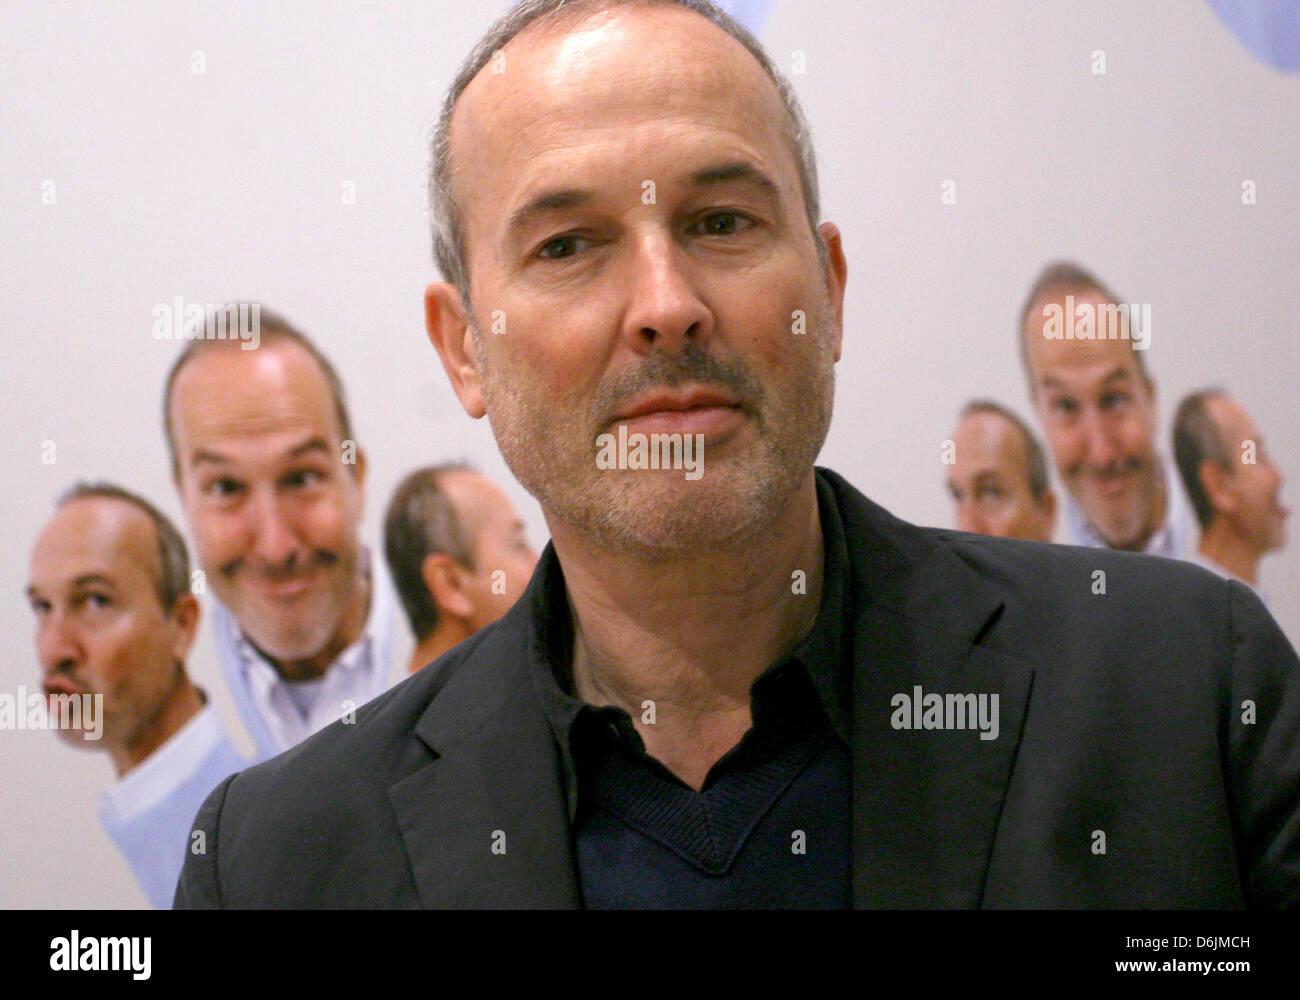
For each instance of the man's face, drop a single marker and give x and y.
(100, 627)
(1099, 416)
(636, 230)
(1251, 490)
(500, 545)
(989, 481)
(271, 506)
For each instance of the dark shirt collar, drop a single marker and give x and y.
(822, 652)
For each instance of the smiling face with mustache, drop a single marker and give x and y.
(271, 506)
(1098, 411)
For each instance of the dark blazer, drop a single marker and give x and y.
(1120, 712)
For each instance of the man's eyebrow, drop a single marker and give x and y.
(736, 170)
(547, 201)
(311, 444)
(315, 443)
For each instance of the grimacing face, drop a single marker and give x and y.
(100, 627)
(634, 218)
(273, 510)
(1098, 414)
(1251, 491)
(989, 481)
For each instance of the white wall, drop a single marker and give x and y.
(228, 185)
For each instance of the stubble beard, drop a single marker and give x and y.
(659, 515)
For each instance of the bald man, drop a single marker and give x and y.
(272, 479)
(458, 554)
(1084, 353)
(1233, 483)
(115, 618)
(998, 476)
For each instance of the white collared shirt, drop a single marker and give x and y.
(270, 705)
(148, 812)
(1174, 539)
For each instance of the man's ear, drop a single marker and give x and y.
(445, 579)
(449, 331)
(837, 273)
(185, 615)
(1214, 480)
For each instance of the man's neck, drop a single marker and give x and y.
(449, 633)
(1223, 546)
(185, 703)
(680, 641)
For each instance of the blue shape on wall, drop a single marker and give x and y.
(1270, 29)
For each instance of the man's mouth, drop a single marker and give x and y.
(284, 587)
(690, 411)
(60, 685)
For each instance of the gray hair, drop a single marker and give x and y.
(448, 228)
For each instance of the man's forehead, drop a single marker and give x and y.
(564, 79)
(1082, 362)
(274, 389)
(1231, 417)
(96, 535)
(989, 440)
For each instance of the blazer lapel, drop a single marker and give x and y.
(485, 824)
(926, 802)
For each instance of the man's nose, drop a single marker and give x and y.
(57, 643)
(275, 543)
(665, 310)
(1101, 447)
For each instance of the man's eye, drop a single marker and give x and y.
(1112, 400)
(223, 487)
(98, 600)
(40, 605)
(723, 224)
(303, 477)
(1065, 405)
(560, 247)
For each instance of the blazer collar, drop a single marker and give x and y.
(481, 805)
(483, 822)
(925, 802)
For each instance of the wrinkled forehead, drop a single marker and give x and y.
(97, 535)
(568, 81)
(990, 441)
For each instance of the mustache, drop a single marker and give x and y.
(1123, 465)
(693, 366)
(296, 564)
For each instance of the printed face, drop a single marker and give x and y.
(989, 481)
(503, 559)
(1252, 491)
(640, 256)
(271, 505)
(1099, 416)
(100, 627)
